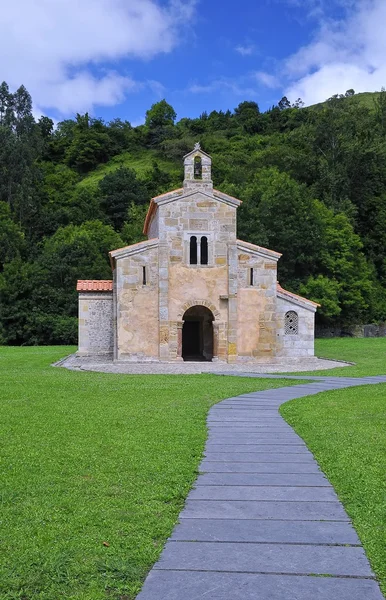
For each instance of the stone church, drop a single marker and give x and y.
(192, 290)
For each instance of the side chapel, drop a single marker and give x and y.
(192, 290)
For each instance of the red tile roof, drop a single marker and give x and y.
(287, 293)
(94, 285)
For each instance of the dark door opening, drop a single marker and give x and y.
(191, 349)
(197, 334)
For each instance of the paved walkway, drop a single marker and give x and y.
(263, 522)
(104, 364)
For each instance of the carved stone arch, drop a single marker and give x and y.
(199, 302)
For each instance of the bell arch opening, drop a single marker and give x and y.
(197, 334)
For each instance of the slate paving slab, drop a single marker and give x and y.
(246, 509)
(259, 457)
(266, 558)
(285, 532)
(274, 479)
(256, 438)
(262, 521)
(263, 492)
(208, 466)
(240, 448)
(174, 585)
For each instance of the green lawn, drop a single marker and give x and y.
(94, 472)
(368, 354)
(346, 432)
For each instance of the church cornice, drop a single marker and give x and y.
(295, 299)
(196, 151)
(131, 250)
(258, 250)
(180, 194)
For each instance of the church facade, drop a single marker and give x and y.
(192, 290)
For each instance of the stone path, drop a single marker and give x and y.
(263, 522)
(104, 364)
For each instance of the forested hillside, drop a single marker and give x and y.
(313, 182)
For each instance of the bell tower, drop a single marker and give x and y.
(198, 170)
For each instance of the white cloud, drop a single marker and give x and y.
(157, 88)
(236, 87)
(344, 54)
(65, 51)
(245, 50)
(266, 79)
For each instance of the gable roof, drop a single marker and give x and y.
(295, 299)
(197, 150)
(181, 193)
(94, 285)
(254, 249)
(132, 249)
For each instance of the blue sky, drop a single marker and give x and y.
(114, 58)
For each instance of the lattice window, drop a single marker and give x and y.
(291, 323)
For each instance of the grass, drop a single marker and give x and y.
(345, 430)
(140, 162)
(368, 354)
(94, 472)
(363, 99)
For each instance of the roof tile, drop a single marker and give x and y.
(296, 296)
(94, 285)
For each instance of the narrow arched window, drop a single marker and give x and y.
(197, 167)
(250, 276)
(291, 323)
(204, 250)
(193, 250)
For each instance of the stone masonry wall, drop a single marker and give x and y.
(298, 345)
(194, 215)
(256, 332)
(154, 228)
(95, 323)
(137, 336)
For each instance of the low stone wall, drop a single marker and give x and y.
(96, 329)
(358, 331)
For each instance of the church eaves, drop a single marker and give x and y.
(94, 285)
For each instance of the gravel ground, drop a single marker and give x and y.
(106, 365)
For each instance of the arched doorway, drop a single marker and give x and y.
(197, 334)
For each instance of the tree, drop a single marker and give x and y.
(78, 252)
(20, 287)
(161, 115)
(132, 230)
(380, 109)
(284, 103)
(11, 238)
(20, 147)
(6, 105)
(38, 299)
(298, 103)
(289, 221)
(90, 145)
(118, 190)
(160, 122)
(248, 115)
(157, 180)
(322, 255)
